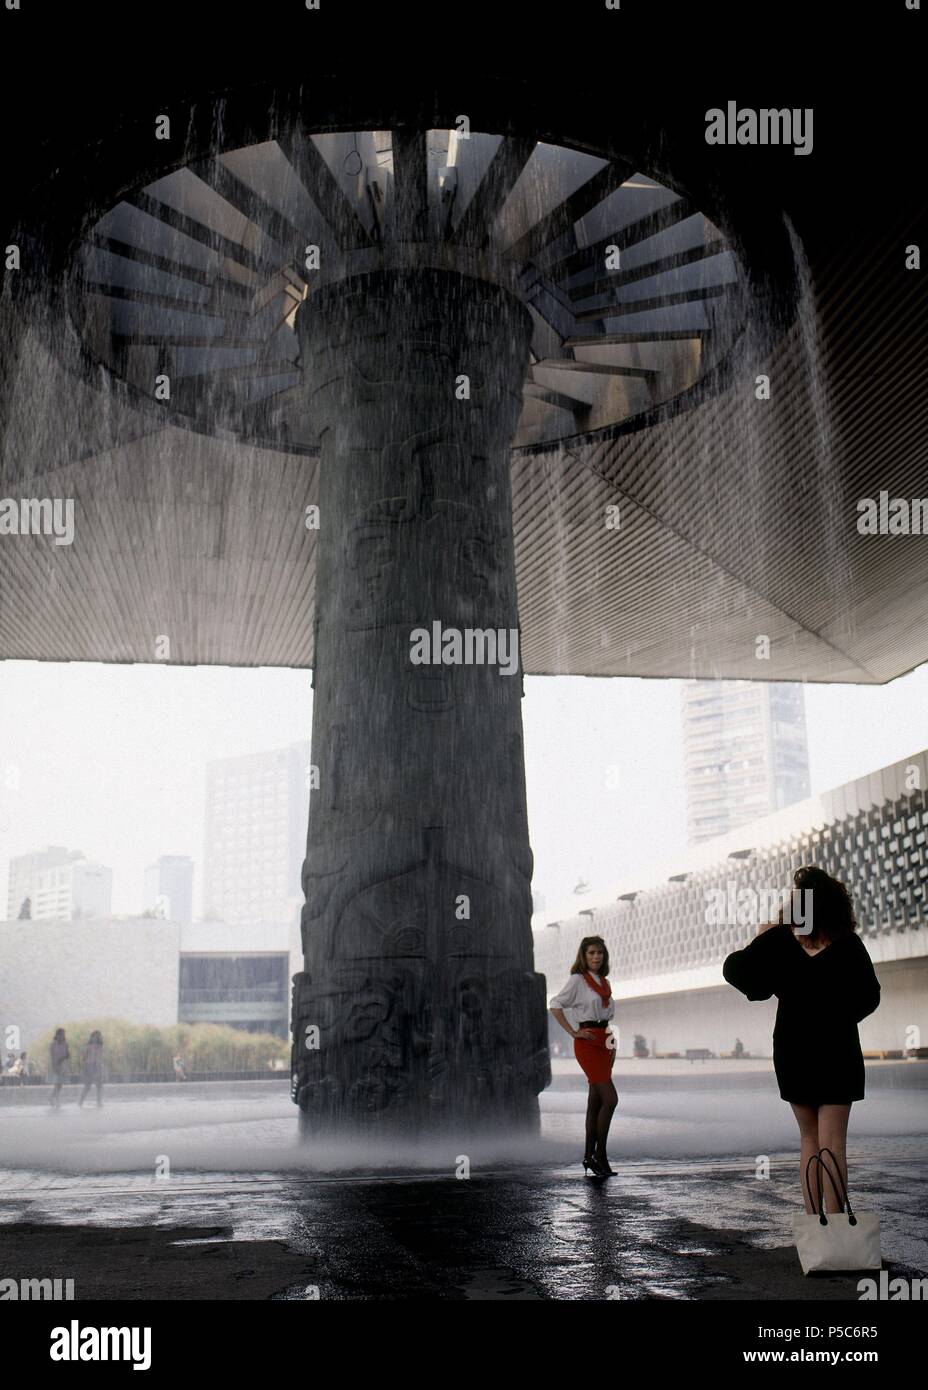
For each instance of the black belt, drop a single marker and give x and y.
(593, 1023)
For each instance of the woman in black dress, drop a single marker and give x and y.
(821, 972)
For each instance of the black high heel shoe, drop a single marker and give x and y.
(588, 1162)
(601, 1168)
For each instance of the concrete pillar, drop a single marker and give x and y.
(12, 335)
(418, 1006)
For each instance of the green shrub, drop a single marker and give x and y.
(141, 1048)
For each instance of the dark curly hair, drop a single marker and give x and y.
(580, 965)
(829, 904)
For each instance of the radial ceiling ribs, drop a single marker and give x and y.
(251, 205)
(303, 154)
(185, 203)
(560, 219)
(199, 274)
(410, 202)
(578, 303)
(493, 190)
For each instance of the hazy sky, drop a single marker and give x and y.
(110, 760)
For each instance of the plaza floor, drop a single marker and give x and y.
(206, 1193)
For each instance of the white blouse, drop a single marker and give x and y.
(579, 1002)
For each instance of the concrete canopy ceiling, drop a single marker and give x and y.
(737, 516)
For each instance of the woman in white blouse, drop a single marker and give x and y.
(587, 999)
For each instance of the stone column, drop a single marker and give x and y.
(12, 335)
(418, 1008)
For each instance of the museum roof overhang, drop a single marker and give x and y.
(664, 526)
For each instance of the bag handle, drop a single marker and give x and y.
(845, 1198)
(819, 1205)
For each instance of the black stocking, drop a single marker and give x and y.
(609, 1099)
(592, 1112)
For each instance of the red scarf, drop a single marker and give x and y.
(603, 989)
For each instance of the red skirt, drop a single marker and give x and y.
(596, 1058)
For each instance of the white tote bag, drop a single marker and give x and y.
(835, 1240)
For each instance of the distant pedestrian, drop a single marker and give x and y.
(823, 977)
(180, 1073)
(59, 1053)
(93, 1067)
(20, 1068)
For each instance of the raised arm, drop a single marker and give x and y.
(861, 987)
(753, 971)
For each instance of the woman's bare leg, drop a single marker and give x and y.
(608, 1100)
(832, 1134)
(592, 1113)
(807, 1119)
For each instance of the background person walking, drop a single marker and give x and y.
(93, 1067)
(58, 1053)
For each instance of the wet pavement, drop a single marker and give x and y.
(673, 1231)
(207, 1194)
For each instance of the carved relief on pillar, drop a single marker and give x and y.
(360, 1041)
(398, 892)
(378, 337)
(421, 986)
(458, 555)
(386, 1044)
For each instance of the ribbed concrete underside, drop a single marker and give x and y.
(733, 525)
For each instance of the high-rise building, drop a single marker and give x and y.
(91, 890)
(24, 870)
(61, 885)
(169, 887)
(745, 752)
(257, 809)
